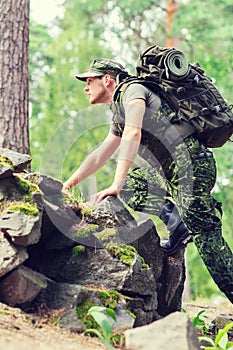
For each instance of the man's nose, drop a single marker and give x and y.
(86, 88)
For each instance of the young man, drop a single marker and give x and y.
(178, 167)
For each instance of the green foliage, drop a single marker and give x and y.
(82, 310)
(109, 298)
(221, 341)
(201, 283)
(68, 198)
(199, 323)
(87, 210)
(207, 38)
(100, 315)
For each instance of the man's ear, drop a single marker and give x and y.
(107, 79)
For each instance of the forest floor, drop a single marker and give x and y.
(23, 331)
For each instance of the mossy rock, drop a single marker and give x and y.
(82, 310)
(78, 250)
(14, 160)
(29, 209)
(26, 186)
(109, 298)
(84, 231)
(125, 253)
(4, 161)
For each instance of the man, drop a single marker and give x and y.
(179, 168)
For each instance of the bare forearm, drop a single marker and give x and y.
(87, 168)
(128, 151)
(129, 145)
(93, 162)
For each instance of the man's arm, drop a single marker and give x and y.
(129, 145)
(94, 161)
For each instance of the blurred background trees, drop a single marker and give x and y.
(64, 128)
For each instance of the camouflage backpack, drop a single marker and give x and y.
(189, 92)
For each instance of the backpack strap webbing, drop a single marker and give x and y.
(183, 128)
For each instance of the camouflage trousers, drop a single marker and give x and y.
(188, 181)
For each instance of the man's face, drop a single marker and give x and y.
(96, 90)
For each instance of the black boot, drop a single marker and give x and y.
(228, 291)
(178, 233)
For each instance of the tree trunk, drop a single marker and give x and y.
(14, 80)
(172, 8)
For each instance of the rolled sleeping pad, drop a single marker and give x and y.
(176, 65)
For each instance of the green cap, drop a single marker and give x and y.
(100, 67)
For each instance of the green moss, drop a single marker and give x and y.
(85, 230)
(26, 186)
(33, 177)
(68, 198)
(20, 197)
(81, 311)
(106, 234)
(4, 312)
(118, 339)
(109, 298)
(79, 249)
(132, 314)
(26, 208)
(145, 266)
(86, 210)
(125, 253)
(6, 162)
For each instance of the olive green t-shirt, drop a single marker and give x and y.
(154, 146)
(132, 92)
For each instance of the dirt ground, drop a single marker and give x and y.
(22, 331)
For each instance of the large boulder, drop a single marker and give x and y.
(77, 299)
(63, 249)
(11, 256)
(12, 162)
(20, 286)
(174, 331)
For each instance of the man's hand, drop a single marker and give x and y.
(110, 191)
(65, 187)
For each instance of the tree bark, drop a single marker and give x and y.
(172, 8)
(14, 80)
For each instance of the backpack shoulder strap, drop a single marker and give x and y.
(121, 86)
(128, 80)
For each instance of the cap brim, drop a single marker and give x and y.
(84, 76)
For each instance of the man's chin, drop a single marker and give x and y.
(93, 102)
